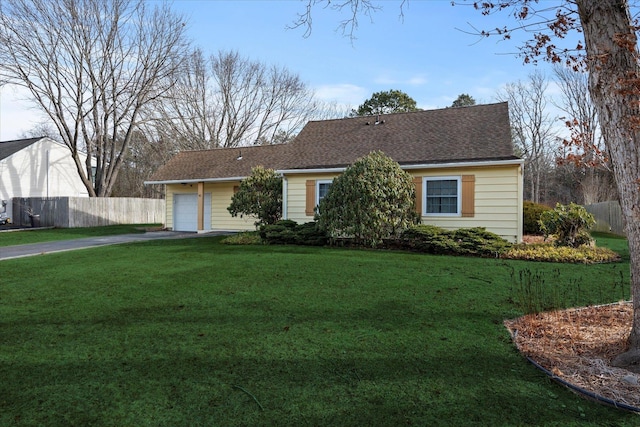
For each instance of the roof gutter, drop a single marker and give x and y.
(414, 166)
(196, 180)
(342, 169)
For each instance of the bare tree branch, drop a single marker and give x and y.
(353, 9)
(91, 66)
(230, 101)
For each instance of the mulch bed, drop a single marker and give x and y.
(577, 346)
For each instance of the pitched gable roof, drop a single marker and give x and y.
(9, 148)
(221, 163)
(451, 135)
(437, 136)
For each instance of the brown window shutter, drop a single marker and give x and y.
(236, 188)
(417, 181)
(468, 195)
(311, 197)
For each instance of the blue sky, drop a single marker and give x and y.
(426, 54)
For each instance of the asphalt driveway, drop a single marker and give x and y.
(19, 251)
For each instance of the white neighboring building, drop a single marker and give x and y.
(37, 167)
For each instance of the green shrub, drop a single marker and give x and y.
(479, 241)
(259, 196)
(373, 200)
(570, 224)
(287, 232)
(531, 213)
(465, 241)
(309, 234)
(247, 238)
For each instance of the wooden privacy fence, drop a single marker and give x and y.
(73, 212)
(608, 216)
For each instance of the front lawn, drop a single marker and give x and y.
(192, 332)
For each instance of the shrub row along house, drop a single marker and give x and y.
(461, 159)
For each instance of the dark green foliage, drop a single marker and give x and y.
(386, 102)
(570, 224)
(464, 100)
(259, 196)
(531, 213)
(373, 200)
(464, 241)
(287, 232)
(246, 238)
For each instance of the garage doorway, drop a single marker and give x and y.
(185, 212)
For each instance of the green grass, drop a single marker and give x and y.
(22, 237)
(196, 333)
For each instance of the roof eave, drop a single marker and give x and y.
(473, 163)
(195, 180)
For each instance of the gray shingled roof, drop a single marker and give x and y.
(465, 134)
(9, 148)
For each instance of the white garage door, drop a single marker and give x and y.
(185, 212)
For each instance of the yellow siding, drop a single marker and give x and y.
(221, 194)
(497, 207)
(297, 195)
(168, 223)
(221, 219)
(498, 199)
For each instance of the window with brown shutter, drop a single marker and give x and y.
(448, 196)
(417, 181)
(468, 195)
(311, 197)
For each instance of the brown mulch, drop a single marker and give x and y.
(577, 346)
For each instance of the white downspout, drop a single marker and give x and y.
(285, 187)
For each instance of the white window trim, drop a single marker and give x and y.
(318, 182)
(426, 179)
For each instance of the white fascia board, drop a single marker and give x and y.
(410, 167)
(464, 164)
(194, 181)
(316, 170)
(342, 169)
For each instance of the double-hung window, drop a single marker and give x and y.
(442, 196)
(322, 188)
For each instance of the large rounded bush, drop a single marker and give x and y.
(374, 199)
(259, 196)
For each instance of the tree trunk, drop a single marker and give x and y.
(612, 53)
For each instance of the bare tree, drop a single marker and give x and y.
(40, 130)
(230, 101)
(141, 161)
(532, 128)
(91, 66)
(583, 154)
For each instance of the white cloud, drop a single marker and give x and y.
(344, 94)
(416, 80)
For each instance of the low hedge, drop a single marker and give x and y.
(439, 241)
(288, 232)
(464, 241)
